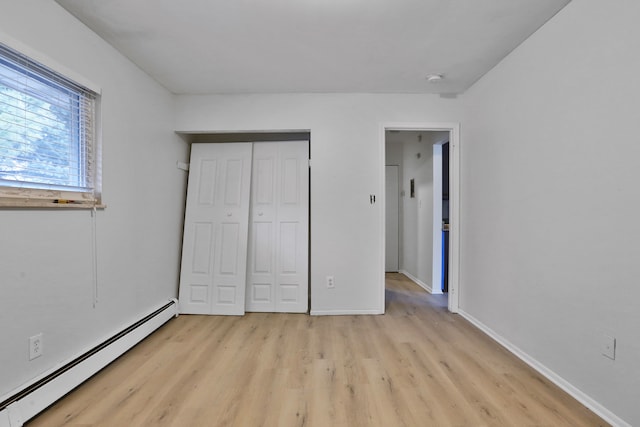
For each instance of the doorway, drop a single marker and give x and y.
(441, 192)
(422, 208)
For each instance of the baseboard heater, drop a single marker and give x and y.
(38, 395)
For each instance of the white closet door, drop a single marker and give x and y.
(277, 279)
(214, 250)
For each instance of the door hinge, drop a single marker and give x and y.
(309, 163)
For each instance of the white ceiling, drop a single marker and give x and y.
(273, 46)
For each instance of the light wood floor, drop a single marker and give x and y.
(417, 365)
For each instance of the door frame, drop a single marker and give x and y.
(454, 203)
(228, 136)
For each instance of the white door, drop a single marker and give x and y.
(277, 278)
(214, 249)
(391, 219)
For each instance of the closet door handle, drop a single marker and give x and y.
(260, 214)
(229, 214)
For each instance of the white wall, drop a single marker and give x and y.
(45, 255)
(550, 201)
(347, 168)
(393, 157)
(393, 152)
(417, 229)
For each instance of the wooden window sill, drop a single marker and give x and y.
(7, 203)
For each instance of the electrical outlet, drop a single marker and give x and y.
(608, 346)
(330, 283)
(35, 346)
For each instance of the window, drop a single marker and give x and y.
(48, 152)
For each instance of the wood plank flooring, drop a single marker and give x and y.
(417, 365)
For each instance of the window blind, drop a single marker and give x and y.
(47, 128)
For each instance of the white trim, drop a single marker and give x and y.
(577, 394)
(420, 283)
(342, 313)
(454, 218)
(382, 147)
(454, 203)
(41, 398)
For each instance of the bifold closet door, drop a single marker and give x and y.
(214, 249)
(277, 277)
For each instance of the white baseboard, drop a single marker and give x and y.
(577, 394)
(342, 313)
(42, 396)
(420, 283)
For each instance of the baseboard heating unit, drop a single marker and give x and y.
(36, 396)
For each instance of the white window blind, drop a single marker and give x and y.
(47, 132)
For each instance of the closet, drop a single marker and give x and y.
(246, 232)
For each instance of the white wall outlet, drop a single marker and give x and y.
(608, 346)
(330, 282)
(35, 346)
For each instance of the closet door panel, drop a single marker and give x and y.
(288, 250)
(202, 249)
(262, 247)
(279, 232)
(293, 227)
(213, 273)
(261, 277)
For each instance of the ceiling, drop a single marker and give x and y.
(285, 46)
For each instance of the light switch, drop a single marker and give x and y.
(608, 346)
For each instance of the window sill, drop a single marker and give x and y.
(8, 203)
